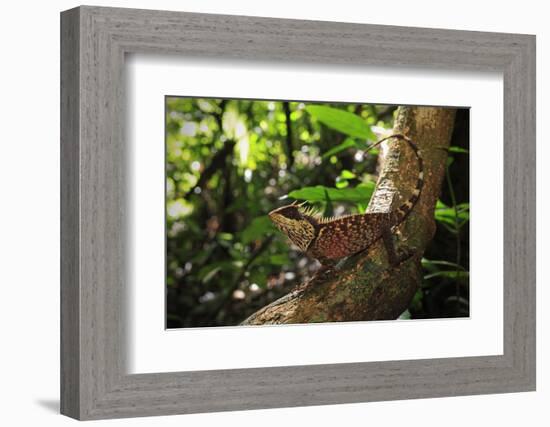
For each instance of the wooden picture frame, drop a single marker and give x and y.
(94, 382)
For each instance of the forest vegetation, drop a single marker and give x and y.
(230, 162)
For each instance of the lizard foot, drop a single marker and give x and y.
(324, 270)
(404, 254)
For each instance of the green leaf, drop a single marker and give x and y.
(346, 174)
(360, 194)
(361, 207)
(279, 259)
(454, 274)
(428, 263)
(342, 180)
(451, 213)
(448, 215)
(440, 205)
(257, 229)
(463, 206)
(225, 236)
(329, 210)
(348, 143)
(311, 194)
(458, 150)
(210, 275)
(342, 121)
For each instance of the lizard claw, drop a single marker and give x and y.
(405, 254)
(324, 270)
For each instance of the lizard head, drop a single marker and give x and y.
(296, 223)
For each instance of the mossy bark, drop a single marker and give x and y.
(365, 286)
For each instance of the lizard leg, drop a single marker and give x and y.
(327, 265)
(393, 257)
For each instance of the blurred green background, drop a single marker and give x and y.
(229, 162)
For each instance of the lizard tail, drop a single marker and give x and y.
(401, 213)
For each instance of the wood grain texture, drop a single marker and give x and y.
(70, 292)
(94, 269)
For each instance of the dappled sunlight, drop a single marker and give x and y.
(230, 162)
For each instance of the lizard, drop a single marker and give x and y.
(331, 239)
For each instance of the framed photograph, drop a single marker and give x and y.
(262, 213)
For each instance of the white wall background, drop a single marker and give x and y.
(29, 213)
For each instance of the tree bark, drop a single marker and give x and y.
(365, 287)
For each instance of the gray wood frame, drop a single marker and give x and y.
(94, 383)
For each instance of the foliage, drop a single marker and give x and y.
(229, 162)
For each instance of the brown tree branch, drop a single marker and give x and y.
(365, 287)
